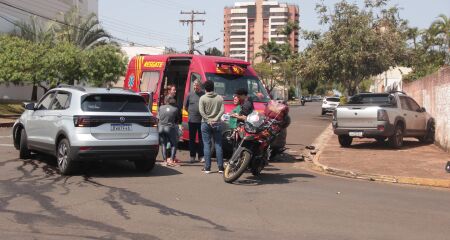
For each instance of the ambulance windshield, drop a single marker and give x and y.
(226, 85)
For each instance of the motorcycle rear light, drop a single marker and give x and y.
(382, 115)
(82, 121)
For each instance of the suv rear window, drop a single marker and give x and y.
(379, 99)
(113, 103)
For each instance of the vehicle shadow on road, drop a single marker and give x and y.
(102, 169)
(272, 178)
(373, 145)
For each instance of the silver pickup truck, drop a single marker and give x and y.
(382, 116)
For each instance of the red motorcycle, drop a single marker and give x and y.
(251, 141)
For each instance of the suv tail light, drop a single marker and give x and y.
(153, 122)
(82, 121)
(382, 115)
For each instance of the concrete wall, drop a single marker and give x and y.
(13, 92)
(433, 93)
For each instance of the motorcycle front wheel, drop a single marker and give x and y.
(237, 165)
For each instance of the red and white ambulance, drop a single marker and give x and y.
(151, 74)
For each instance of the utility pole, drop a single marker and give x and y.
(191, 22)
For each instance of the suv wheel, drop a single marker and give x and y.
(66, 164)
(323, 111)
(429, 135)
(24, 152)
(146, 164)
(396, 140)
(345, 140)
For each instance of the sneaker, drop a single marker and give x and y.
(206, 171)
(221, 170)
(192, 160)
(202, 160)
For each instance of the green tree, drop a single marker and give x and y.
(269, 51)
(442, 26)
(213, 52)
(104, 65)
(357, 45)
(66, 60)
(21, 62)
(83, 31)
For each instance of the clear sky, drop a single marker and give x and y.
(156, 22)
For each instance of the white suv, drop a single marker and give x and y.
(74, 124)
(329, 104)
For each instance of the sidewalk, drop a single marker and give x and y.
(7, 121)
(415, 163)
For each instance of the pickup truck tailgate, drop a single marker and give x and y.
(357, 116)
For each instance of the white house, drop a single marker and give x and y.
(390, 80)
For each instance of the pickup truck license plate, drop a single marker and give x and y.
(355, 134)
(121, 127)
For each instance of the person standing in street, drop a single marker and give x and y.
(211, 109)
(194, 122)
(169, 119)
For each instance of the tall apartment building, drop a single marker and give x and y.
(248, 25)
(48, 8)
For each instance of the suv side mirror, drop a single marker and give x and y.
(30, 106)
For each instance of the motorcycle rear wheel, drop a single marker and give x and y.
(234, 171)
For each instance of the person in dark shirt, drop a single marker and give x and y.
(169, 118)
(195, 121)
(246, 104)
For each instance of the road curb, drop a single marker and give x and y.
(6, 125)
(323, 139)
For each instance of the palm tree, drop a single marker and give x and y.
(412, 34)
(35, 31)
(442, 26)
(269, 51)
(288, 29)
(83, 32)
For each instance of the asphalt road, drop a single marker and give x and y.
(112, 201)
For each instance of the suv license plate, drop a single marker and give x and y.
(120, 127)
(355, 134)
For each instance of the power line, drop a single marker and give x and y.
(191, 22)
(63, 23)
(215, 40)
(158, 36)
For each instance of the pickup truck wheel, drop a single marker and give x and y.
(396, 140)
(345, 140)
(429, 136)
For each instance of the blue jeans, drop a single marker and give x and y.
(212, 131)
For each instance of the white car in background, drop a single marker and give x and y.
(329, 104)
